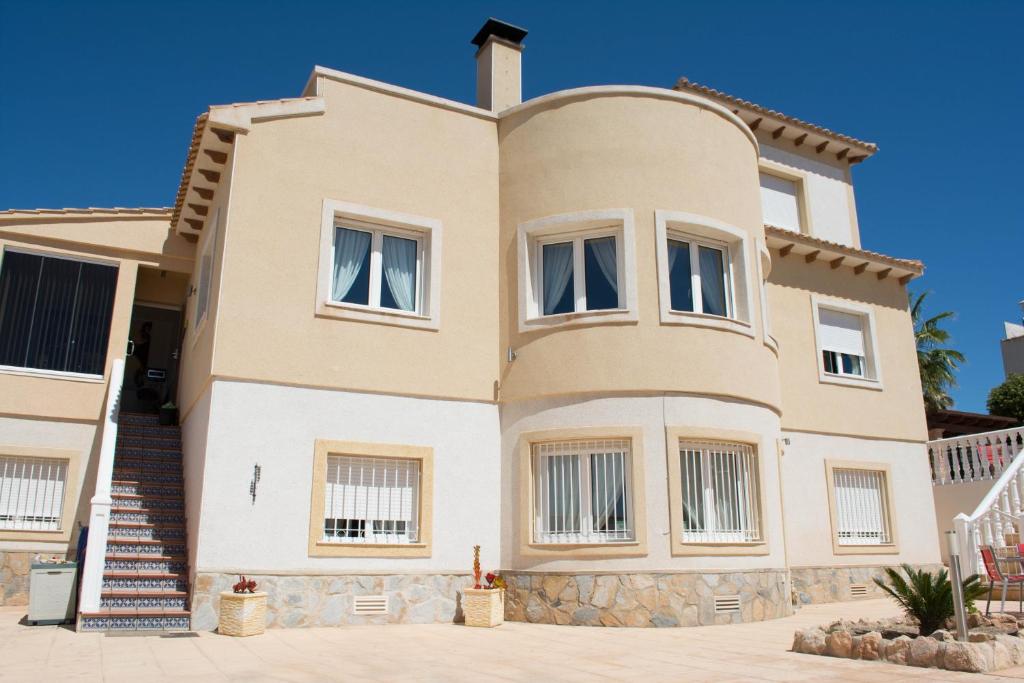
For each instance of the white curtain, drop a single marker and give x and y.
(604, 253)
(557, 273)
(350, 247)
(712, 281)
(400, 271)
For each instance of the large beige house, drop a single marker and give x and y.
(624, 338)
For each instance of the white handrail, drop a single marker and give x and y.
(974, 457)
(99, 515)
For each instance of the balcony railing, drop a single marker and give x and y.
(975, 457)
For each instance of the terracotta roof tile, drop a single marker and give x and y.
(912, 265)
(90, 211)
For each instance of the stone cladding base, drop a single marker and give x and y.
(812, 585)
(644, 599)
(299, 601)
(14, 575)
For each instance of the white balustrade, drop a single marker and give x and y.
(99, 516)
(976, 457)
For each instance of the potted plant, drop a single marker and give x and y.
(484, 605)
(169, 413)
(243, 611)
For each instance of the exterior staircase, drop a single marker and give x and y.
(145, 577)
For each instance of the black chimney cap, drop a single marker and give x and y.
(498, 29)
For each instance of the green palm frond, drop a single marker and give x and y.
(937, 363)
(928, 598)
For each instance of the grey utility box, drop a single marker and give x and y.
(52, 597)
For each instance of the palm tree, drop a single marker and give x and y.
(937, 364)
(927, 597)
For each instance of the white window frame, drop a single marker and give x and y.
(584, 450)
(693, 247)
(380, 222)
(739, 457)
(738, 245)
(887, 514)
(575, 228)
(370, 535)
(48, 459)
(872, 378)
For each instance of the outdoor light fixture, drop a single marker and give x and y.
(255, 479)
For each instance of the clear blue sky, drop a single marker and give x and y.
(97, 102)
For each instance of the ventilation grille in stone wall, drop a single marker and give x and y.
(370, 604)
(727, 603)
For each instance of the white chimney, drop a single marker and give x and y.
(499, 83)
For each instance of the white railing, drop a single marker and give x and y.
(975, 457)
(99, 516)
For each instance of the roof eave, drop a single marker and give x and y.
(796, 245)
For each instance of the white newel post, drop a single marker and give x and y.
(965, 538)
(99, 516)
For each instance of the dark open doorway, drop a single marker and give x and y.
(151, 368)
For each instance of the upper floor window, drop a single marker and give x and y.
(55, 313)
(379, 266)
(781, 202)
(845, 343)
(699, 274)
(575, 267)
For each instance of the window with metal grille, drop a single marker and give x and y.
(371, 500)
(720, 492)
(55, 313)
(32, 493)
(862, 507)
(583, 492)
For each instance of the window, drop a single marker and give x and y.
(55, 313)
(699, 277)
(582, 492)
(579, 274)
(719, 493)
(861, 506)
(202, 307)
(846, 344)
(379, 266)
(32, 493)
(371, 500)
(376, 268)
(781, 202)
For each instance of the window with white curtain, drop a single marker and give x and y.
(583, 492)
(579, 273)
(861, 507)
(55, 312)
(377, 267)
(780, 202)
(700, 276)
(32, 493)
(842, 340)
(371, 500)
(720, 492)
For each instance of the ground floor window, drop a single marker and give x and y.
(720, 492)
(861, 507)
(371, 500)
(32, 493)
(55, 313)
(582, 492)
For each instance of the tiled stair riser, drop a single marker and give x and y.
(152, 466)
(147, 517)
(126, 623)
(147, 503)
(113, 583)
(161, 548)
(135, 488)
(149, 476)
(149, 442)
(138, 565)
(168, 534)
(142, 602)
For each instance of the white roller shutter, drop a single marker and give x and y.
(842, 332)
(780, 202)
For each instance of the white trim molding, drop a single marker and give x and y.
(599, 223)
(428, 234)
(873, 370)
(741, 251)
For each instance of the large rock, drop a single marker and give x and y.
(943, 636)
(839, 644)
(969, 657)
(871, 646)
(812, 641)
(898, 650)
(923, 652)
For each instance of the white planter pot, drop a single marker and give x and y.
(484, 607)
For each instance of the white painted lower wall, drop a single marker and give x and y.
(953, 499)
(194, 428)
(653, 414)
(276, 427)
(805, 499)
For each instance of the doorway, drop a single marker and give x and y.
(151, 366)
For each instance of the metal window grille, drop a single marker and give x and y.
(32, 493)
(371, 500)
(720, 493)
(583, 492)
(862, 507)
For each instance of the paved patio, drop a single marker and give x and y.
(514, 652)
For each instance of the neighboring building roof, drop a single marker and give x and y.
(861, 260)
(958, 423)
(787, 127)
(88, 211)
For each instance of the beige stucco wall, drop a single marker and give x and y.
(808, 404)
(954, 499)
(643, 153)
(380, 151)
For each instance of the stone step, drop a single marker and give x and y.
(135, 620)
(146, 488)
(138, 516)
(148, 547)
(140, 581)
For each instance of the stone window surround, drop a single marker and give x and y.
(679, 548)
(892, 548)
(634, 548)
(429, 317)
(320, 548)
(62, 535)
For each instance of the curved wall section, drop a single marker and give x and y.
(635, 153)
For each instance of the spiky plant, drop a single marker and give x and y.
(936, 363)
(928, 598)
